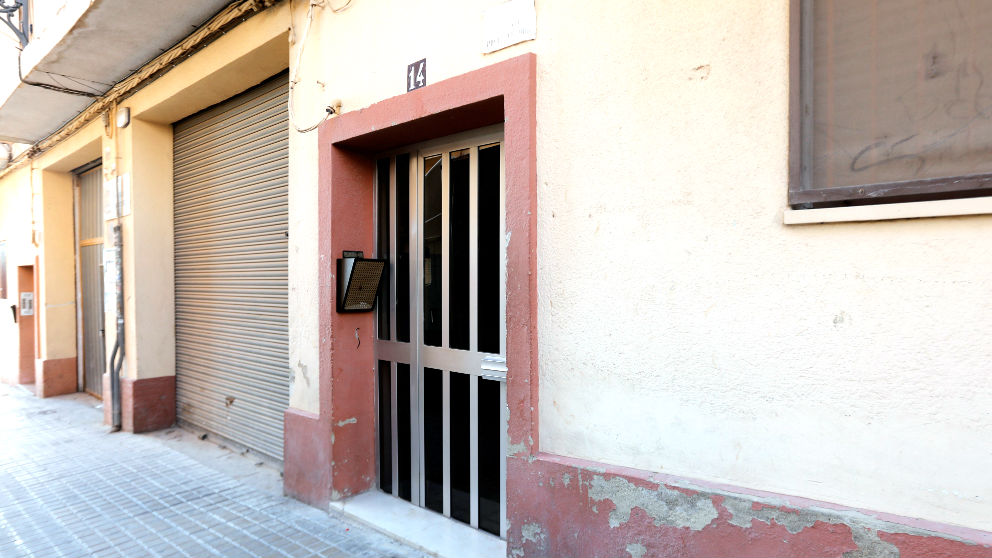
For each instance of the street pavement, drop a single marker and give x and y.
(69, 487)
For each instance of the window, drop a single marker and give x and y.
(894, 101)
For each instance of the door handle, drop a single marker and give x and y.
(494, 364)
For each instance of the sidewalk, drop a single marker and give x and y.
(69, 488)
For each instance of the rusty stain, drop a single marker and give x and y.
(303, 372)
(700, 72)
(228, 401)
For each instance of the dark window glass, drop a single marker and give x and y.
(893, 101)
(489, 252)
(458, 245)
(433, 440)
(385, 428)
(490, 436)
(461, 448)
(433, 237)
(382, 242)
(403, 247)
(403, 429)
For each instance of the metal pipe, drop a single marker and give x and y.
(117, 356)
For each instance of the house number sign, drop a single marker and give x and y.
(416, 75)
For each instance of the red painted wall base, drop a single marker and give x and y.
(568, 507)
(306, 455)
(55, 376)
(331, 455)
(147, 404)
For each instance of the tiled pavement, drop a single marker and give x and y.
(69, 488)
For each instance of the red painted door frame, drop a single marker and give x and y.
(331, 455)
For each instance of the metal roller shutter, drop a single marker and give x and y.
(231, 219)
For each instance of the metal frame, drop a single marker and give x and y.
(79, 242)
(418, 355)
(78, 269)
(803, 194)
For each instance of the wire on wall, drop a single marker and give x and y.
(294, 79)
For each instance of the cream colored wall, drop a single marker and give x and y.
(242, 57)
(15, 230)
(843, 362)
(846, 363)
(56, 302)
(358, 56)
(152, 256)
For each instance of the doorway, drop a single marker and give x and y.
(441, 342)
(26, 324)
(89, 235)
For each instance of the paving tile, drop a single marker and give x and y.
(68, 488)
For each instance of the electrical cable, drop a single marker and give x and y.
(228, 17)
(342, 8)
(49, 86)
(294, 78)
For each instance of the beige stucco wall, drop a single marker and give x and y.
(15, 230)
(841, 362)
(142, 152)
(56, 301)
(152, 274)
(682, 327)
(334, 67)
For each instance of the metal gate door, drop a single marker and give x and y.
(441, 347)
(231, 261)
(90, 235)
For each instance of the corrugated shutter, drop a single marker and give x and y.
(91, 279)
(231, 220)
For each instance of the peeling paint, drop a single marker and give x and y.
(566, 478)
(664, 505)
(352, 420)
(533, 532)
(515, 449)
(636, 550)
(743, 511)
(870, 546)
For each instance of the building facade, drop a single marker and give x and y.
(662, 278)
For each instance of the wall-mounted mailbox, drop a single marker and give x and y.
(27, 304)
(358, 281)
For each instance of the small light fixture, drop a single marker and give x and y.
(123, 117)
(358, 281)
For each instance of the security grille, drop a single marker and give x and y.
(91, 278)
(231, 219)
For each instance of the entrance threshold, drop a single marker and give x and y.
(417, 526)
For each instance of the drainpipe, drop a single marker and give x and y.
(117, 356)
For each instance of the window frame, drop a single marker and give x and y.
(803, 194)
